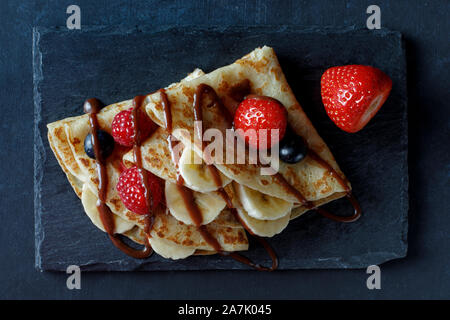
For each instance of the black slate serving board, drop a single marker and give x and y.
(116, 63)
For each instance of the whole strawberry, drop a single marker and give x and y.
(353, 94)
(123, 128)
(132, 192)
(257, 113)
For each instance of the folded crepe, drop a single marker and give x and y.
(170, 237)
(261, 203)
(260, 70)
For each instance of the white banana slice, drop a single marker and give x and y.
(210, 204)
(196, 175)
(89, 201)
(263, 228)
(261, 206)
(169, 249)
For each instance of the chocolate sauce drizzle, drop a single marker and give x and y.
(92, 107)
(188, 196)
(149, 217)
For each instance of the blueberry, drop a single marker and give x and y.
(106, 144)
(292, 148)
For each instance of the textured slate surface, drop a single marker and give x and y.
(115, 63)
(423, 274)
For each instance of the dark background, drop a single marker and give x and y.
(425, 273)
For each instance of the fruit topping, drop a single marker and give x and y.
(292, 148)
(196, 175)
(106, 144)
(132, 191)
(123, 127)
(353, 94)
(258, 113)
(262, 206)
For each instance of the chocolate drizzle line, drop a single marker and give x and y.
(92, 107)
(310, 205)
(186, 193)
(188, 196)
(344, 183)
(198, 116)
(149, 218)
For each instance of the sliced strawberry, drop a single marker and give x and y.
(353, 94)
(132, 191)
(123, 127)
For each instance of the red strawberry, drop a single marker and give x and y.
(353, 94)
(132, 192)
(256, 113)
(123, 128)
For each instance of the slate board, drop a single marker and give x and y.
(116, 63)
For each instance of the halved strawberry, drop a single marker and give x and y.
(122, 127)
(353, 94)
(132, 191)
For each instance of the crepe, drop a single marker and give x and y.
(245, 197)
(169, 237)
(261, 68)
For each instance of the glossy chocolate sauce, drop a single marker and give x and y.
(344, 183)
(149, 217)
(198, 116)
(238, 91)
(168, 125)
(92, 107)
(187, 194)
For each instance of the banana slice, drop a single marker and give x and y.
(261, 206)
(263, 228)
(196, 175)
(89, 201)
(210, 204)
(170, 250)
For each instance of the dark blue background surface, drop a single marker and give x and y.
(425, 273)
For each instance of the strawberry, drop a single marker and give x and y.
(258, 113)
(353, 94)
(123, 128)
(132, 192)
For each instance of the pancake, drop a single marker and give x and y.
(261, 68)
(170, 237)
(236, 196)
